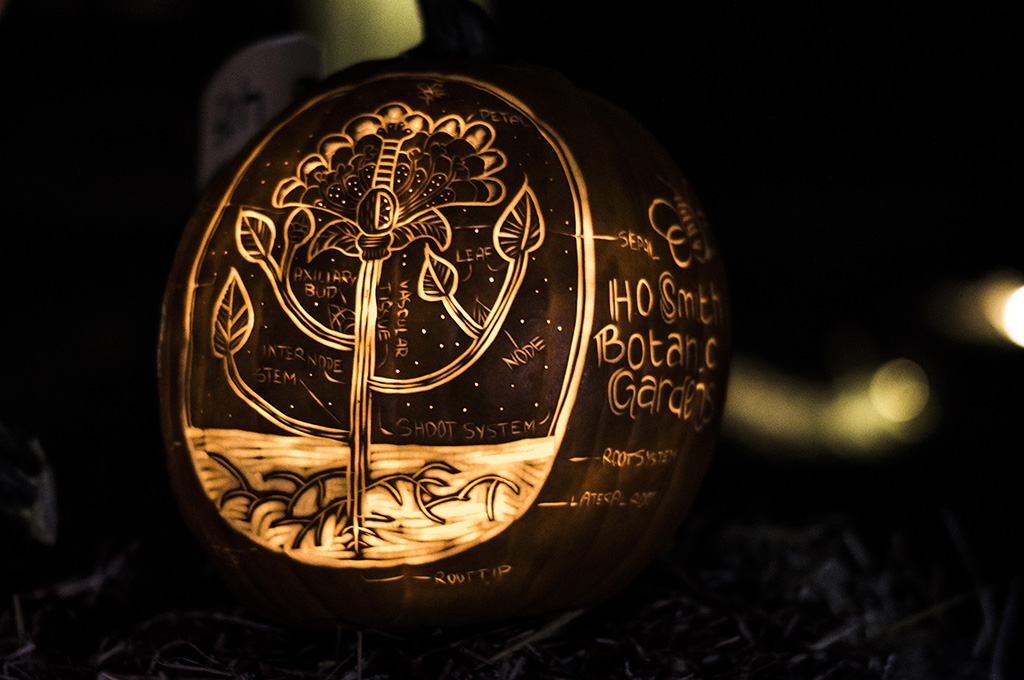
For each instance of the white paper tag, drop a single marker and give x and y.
(250, 88)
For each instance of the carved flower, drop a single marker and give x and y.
(426, 165)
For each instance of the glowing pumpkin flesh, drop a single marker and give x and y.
(448, 343)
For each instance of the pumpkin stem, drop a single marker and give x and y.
(456, 28)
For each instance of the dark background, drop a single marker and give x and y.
(850, 159)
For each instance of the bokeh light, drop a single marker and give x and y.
(899, 390)
(1013, 316)
(987, 311)
(865, 413)
(353, 31)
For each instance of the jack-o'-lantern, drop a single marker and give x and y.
(446, 343)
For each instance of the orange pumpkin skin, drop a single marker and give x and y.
(447, 344)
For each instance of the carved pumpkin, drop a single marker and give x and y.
(447, 343)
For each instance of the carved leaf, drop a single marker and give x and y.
(340, 234)
(438, 278)
(521, 228)
(255, 234)
(299, 227)
(431, 224)
(232, 317)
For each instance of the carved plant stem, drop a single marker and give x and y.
(363, 360)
